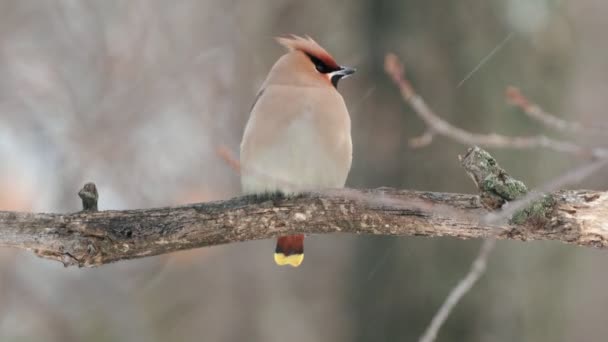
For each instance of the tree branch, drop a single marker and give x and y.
(478, 267)
(506, 197)
(96, 238)
(536, 112)
(436, 125)
(92, 238)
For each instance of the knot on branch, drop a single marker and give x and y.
(89, 197)
(496, 186)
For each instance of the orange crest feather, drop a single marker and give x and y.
(308, 46)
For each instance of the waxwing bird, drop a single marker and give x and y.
(297, 138)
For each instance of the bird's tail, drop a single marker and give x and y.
(290, 250)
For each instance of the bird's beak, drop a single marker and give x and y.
(345, 71)
(339, 74)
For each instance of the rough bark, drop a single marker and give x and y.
(96, 238)
(92, 238)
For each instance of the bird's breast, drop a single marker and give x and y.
(307, 152)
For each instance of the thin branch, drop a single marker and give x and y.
(478, 267)
(227, 157)
(423, 140)
(536, 112)
(436, 125)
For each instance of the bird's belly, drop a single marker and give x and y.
(297, 162)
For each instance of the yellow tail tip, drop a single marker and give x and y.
(294, 260)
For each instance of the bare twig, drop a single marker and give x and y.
(536, 112)
(227, 157)
(436, 125)
(478, 267)
(423, 140)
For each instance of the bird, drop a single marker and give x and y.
(298, 135)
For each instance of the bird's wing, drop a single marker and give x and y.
(257, 97)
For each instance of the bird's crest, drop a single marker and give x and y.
(308, 46)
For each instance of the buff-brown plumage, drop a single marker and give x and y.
(307, 45)
(297, 138)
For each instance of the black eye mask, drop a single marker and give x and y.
(320, 65)
(335, 73)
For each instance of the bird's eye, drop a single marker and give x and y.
(319, 65)
(321, 68)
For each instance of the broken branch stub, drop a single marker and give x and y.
(496, 187)
(89, 196)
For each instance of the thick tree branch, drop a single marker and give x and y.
(91, 238)
(96, 238)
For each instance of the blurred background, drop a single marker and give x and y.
(137, 95)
